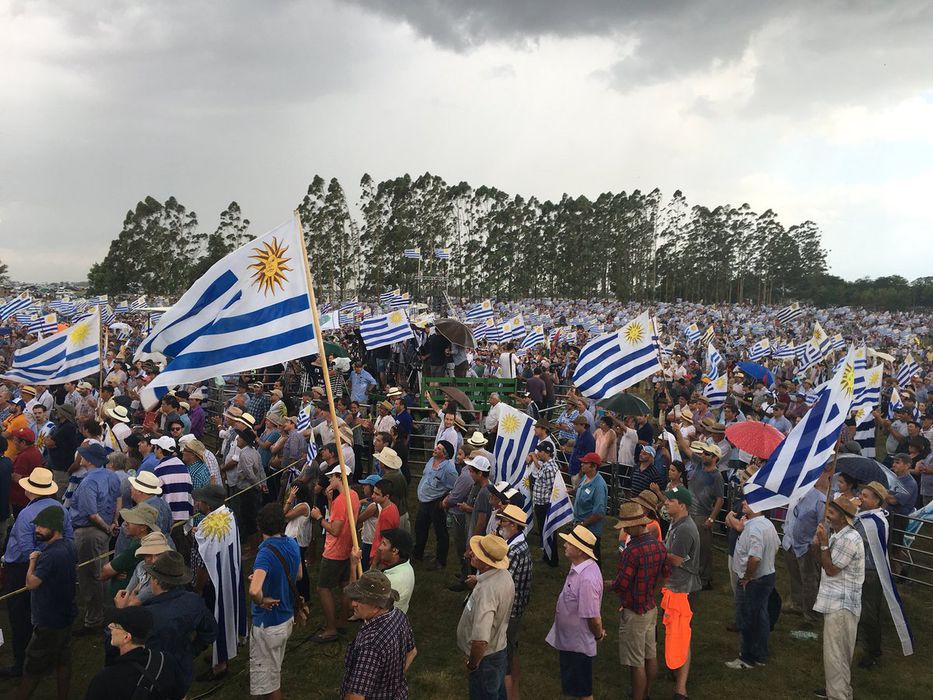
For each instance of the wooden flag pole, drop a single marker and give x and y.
(101, 342)
(351, 516)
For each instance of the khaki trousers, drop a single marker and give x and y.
(840, 629)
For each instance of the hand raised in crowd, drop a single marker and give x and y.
(822, 537)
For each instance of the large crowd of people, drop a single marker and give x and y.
(114, 515)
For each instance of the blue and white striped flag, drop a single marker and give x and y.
(894, 404)
(122, 308)
(378, 331)
(13, 306)
(480, 312)
(66, 356)
(716, 391)
(480, 331)
(708, 335)
(759, 350)
(517, 327)
(693, 333)
(442, 253)
(907, 370)
(790, 313)
(403, 301)
(536, 337)
(218, 541)
(107, 316)
(494, 331)
(350, 306)
(304, 422)
(797, 463)
(615, 361)
(515, 439)
(559, 513)
(412, 253)
(837, 342)
(713, 357)
(25, 318)
(867, 393)
(44, 324)
(99, 300)
(387, 297)
(250, 309)
(140, 303)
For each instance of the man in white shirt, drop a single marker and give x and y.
(491, 421)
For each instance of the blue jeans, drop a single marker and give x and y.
(488, 681)
(751, 605)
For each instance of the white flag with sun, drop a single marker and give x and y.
(66, 356)
(515, 439)
(218, 543)
(250, 309)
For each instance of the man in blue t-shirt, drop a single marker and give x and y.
(51, 580)
(278, 560)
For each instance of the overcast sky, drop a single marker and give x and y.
(819, 111)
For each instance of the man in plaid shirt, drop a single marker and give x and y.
(512, 521)
(642, 565)
(544, 470)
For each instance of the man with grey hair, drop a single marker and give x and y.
(491, 421)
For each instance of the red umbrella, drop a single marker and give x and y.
(755, 438)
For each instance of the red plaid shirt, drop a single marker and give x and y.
(642, 564)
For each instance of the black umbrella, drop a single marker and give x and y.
(456, 332)
(865, 470)
(625, 405)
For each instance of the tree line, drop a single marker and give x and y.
(625, 245)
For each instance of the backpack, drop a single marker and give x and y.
(148, 685)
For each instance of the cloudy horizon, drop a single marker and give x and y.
(817, 111)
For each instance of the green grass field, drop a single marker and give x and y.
(794, 671)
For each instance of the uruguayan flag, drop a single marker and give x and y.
(708, 335)
(250, 309)
(412, 253)
(480, 312)
(44, 324)
(403, 301)
(218, 542)
(480, 332)
(837, 342)
(796, 463)
(820, 340)
(140, 303)
(442, 253)
(536, 337)
(559, 513)
(716, 391)
(66, 356)
(760, 350)
(387, 297)
(107, 316)
(907, 370)
(615, 361)
(99, 300)
(790, 313)
(713, 356)
(378, 331)
(783, 351)
(304, 422)
(122, 308)
(867, 393)
(894, 404)
(350, 306)
(13, 306)
(494, 331)
(515, 439)
(693, 333)
(517, 327)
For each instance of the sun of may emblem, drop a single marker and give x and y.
(217, 525)
(875, 377)
(848, 379)
(633, 333)
(79, 333)
(270, 266)
(395, 317)
(509, 424)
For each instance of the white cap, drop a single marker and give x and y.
(186, 438)
(165, 442)
(479, 463)
(334, 472)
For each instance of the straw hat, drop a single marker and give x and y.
(146, 482)
(477, 439)
(582, 539)
(713, 449)
(630, 515)
(39, 482)
(458, 421)
(648, 500)
(880, 490)
(846, 507)
(119, 413)
(389, 458)
(26, 389)
(142, 514)
(245, 418)
(514, 514)
(385, 405)
(196, 446)
(274, 418)
(491, 549)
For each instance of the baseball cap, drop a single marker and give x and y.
(679, 493)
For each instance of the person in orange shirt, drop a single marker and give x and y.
(649, 502)
(17, 420)
(335, 564)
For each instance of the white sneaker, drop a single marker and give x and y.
(738, 665)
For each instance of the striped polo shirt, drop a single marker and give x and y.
(176, 487)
